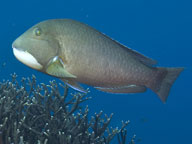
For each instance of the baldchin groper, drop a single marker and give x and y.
(77, 53)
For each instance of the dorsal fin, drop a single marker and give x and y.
(142, 58)
(145, 60)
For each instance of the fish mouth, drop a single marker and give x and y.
(26, 58)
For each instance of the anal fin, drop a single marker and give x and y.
(124, 89)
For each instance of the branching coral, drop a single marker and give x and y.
(40, 114)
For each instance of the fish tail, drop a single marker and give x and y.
(163, 81)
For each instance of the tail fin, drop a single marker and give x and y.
(164, 80)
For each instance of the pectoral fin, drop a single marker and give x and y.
(56, 68)
(124, 89)
(74, 85)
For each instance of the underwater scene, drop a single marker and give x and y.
(95, 72)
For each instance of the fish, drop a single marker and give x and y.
(76, 53)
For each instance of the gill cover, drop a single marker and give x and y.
(56, 68)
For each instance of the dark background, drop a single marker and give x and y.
(160, 29)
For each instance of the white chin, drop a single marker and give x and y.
(27, 59)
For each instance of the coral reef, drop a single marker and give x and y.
(40, 114)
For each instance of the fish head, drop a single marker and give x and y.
(37, 46)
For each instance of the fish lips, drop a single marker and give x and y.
(26, 58)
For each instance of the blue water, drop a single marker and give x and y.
(160, 29)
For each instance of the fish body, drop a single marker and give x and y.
(76, 52)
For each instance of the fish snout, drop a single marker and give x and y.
(16, 43)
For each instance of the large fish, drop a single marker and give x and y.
(74, 52)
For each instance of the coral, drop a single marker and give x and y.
(40, 114)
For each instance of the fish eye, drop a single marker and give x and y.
(37, 31)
